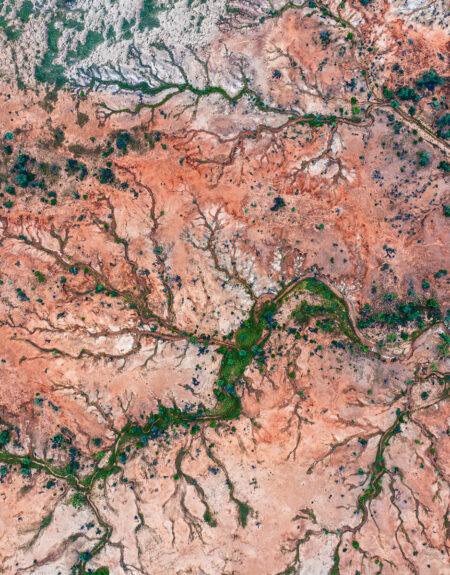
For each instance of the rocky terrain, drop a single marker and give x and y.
(224, 303)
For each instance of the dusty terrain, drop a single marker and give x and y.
(224, 298)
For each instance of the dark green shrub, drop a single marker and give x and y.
(430, 80)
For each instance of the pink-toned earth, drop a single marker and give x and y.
(224, 298)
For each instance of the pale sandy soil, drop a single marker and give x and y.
(115, 300)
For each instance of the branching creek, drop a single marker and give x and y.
(243, 347)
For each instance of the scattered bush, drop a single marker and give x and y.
(430, 80)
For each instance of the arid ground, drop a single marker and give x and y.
(224, 302)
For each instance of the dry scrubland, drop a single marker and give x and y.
(224, 298)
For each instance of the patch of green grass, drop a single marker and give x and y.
(127, 33)
(244, 510)
(77, 500)
(228, 408)
(84, 49)
(233, 366)
(332, 306)
(53, 35)
(25, 11)
(11, 32)
(317, 287)
(73, 25)
(46, 521)
(305, 311)
(248, 335)
(47, 72)
(148, 16)
(444, 347)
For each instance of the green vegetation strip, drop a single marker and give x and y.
(243, 347)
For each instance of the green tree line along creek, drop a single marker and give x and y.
(242, 348)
